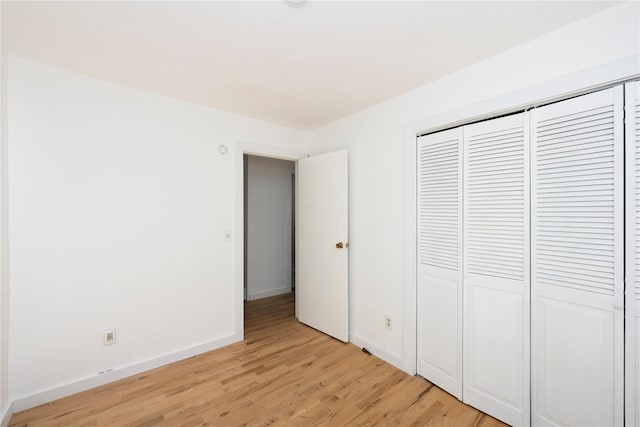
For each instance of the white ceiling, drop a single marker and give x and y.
(298, 67)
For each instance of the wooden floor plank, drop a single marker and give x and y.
(284, 373)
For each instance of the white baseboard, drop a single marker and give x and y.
(378, 352)
(6, 415)
(45, 396)
(266, 294)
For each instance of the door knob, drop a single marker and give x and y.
(339, 245)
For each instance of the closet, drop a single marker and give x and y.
(521, 262)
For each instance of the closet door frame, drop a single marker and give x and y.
(632, 300)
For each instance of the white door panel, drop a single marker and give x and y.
(632, 301)
(439, 341)
(440, 259)
(496, 268)
(577, 283)
(494, 310)
(573, 343)
(322, 222)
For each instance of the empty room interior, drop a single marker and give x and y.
(310, 212)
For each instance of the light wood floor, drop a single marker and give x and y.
(284, 373)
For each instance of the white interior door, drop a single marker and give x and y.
(577, 261)
(496, 268)
(440, 259)
(322, 244)
(632, 305)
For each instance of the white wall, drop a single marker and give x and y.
(269, 199)
(5, 412)
(118, 200)
(374, 138)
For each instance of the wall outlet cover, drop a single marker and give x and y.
(109, 337)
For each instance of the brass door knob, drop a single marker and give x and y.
(339, 245)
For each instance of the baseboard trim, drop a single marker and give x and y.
(6, 415)
(267, 294)
(377, 351)
(45, 396)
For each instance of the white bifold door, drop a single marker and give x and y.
(522, 310)
(440, 259)
(496, 268)
(577, 266)
(632, 306)
(473, 225)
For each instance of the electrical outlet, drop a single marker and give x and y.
(387, 322)
(109, 337)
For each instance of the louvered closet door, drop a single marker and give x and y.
(577, 261)
(440, 256)
(496, 268)
(632, 306)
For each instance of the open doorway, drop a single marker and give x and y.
(269, 227)
(321, 240)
